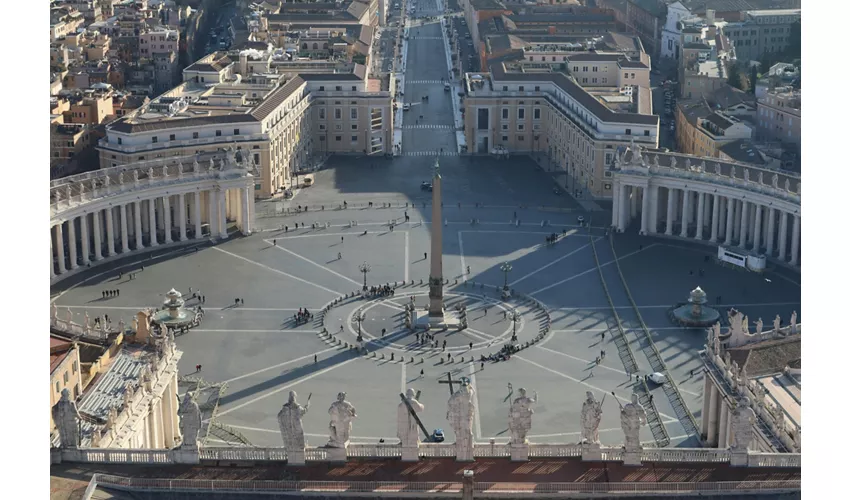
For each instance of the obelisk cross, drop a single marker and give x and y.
(450, 382)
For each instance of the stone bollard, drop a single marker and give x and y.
(421, 360)
(382, 356)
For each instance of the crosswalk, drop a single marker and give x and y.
(424, 82)
(420, 37)
(430, 153)
(427, 125)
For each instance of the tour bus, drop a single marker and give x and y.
(308, 180)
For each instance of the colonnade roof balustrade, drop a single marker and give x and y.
(779, 184)
(73, 191)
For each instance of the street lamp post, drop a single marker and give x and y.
(364, 268)
(359, 317)
(513, 316)
(506, 268)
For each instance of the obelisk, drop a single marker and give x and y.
(435, 280)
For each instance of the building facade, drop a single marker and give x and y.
(647, 18)
(778, 115)
(762, 31)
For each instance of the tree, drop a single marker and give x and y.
(735, 79)
(754, 78)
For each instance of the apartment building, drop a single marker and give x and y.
(548, 114)
(701, 131)
(88, 108)
(67, 141)
(158, 41)
(286, 118)
(646, 18)
(64, 20)
(65, 371)
(762, 31)
(778, 116)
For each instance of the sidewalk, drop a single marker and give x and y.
(456, 86)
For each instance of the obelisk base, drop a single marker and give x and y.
(427, 322)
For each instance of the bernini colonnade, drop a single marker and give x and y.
(120, 210)
(754, 209)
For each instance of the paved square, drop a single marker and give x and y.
(258, 351)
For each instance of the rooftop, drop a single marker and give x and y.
(59, 349)
(107, 389)
(744, 151)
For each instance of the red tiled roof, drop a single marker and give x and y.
(59, 349)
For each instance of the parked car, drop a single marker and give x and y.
(580, 220)
(657, 378)
(426, 186)
(438, 436)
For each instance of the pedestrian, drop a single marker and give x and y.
(275, 242)
(591, 374)
(485, 311)
(641, 248)
(505, 314)
(426, 255)
(470, 346)
(482, 365)
(692, 373)
(422, 372)
(315, 358)
(510, 388)
(651, 398)
(339, 256)
(340, 327)
(467, 270)
(342, 239)
(603, 336)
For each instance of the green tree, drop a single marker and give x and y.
(754, 78)
(735, 79)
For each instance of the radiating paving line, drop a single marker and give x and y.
(305, 259)
(559, 259)
(296, 278)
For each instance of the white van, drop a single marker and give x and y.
(308, 180)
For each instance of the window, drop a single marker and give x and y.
(57, 386)
(607, 186)
(218, 133)
(520, 127)
(353, 138)
(154, 139)
(504, 113)
(537, 88)
(625, 76)
(120, 141)
(504, 88)
(338, 126)
(604, 80)
(338, 138)
(594, 80)
(353, 126)
(595, 69)
(257, 157)
(633, 76)
(628, 131)
(65, 377)
(536, 113)
(521, 114)
(584, 68)
(532, 58)
(520, 138)
(194, 135)
(646, 133)
(504, 138)
(321, 88)
(521, 88)
(236, 131)
(504, 126)
(337, 114)
(172, 137)
(353, 113)
(339, 88)
(575, 68)
(321, 127)
(321, 113)
(584, 80)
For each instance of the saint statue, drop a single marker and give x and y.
(632, 417)
(591, 416)
(54, 311)
(342, 414)
(289, 419)
(745, 325)
(672, 162)
(788, 184)
(732, 171)
(67, 421)
(774, 181)
(190, 421)
(120, 177)
(777, 323)
(519, 422)
(794, 322)
(460, 415)
(135, 176)
(746, 175)
(761, 177)
(408, 428)
(717, 168)
(759, 326)
(743, 418)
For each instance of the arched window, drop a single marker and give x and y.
(315, 46)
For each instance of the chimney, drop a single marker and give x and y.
(709, 16)
(243, 63)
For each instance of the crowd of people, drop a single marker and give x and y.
(504, 353)
(553, 238)
(302, 316)
(381, 291)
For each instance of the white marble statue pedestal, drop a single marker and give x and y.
(296, 457)
(409, 453)
(519, 452)
(738, 458)
(448, 321)
(337, 454)
(591, 452)
(186, 455)
(632, 457)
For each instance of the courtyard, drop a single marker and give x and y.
(258, 351)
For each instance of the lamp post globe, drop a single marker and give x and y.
(506, 267)
(364, 268)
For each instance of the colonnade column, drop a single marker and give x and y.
(624, 208)
(724, 203)
(181, 215)
(686, 208)
(670, 206)
(72, 243)
(246, 210)
(736, 218)
(615, 211)
(52, 271)
(212, 210)
(137, 216)
(196, 217)
(653, 210)
(632, 203)
(745, 223)
(644, 211)
(711, 435)
(795, 241)
(98, 233)
(700, 214)
(706, 402)
(60, 247)
(125, 246)
(222, 216)
(730, 220)
(84, 238)
(166, 213)
(715, 215)
(152, 221)
(783, 235)
(771, 227)
(724, 421)
(757, 230)
(110, 233)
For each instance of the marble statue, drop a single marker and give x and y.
(727, 358)
(212, 164)
(761, 177)
(121, 325)
(93, 186)
(717, 345)
(67, 420)
(408, 428)
(777, 322)
(687, 164)
(732, 172)
(774, 181)
(717, 330)
(342, 414)
(190, 421)
(460, 415)
(230, 157)
(69, 315)
(743, 418)
(519, 422)
(96, 435)
(135, 176)
(128, 395)
(788, 184)
(655, 161)
(759, 326)
(120, 177)
(734, 369)
(794, 322)
(86, 322)
(180, 168)
(701, 167)
(746, 175)
(195, 167)
(745, 325)
(632, 417)
(672, 162)
(107, 181)
(591, 416)
(54, 311)
(150, 174)
(289, 419)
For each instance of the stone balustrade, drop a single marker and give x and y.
(428, 450)
(393, 488)
(75, 330)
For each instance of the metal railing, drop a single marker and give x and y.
(657, 362)
(623, 348)
(656, 426)
(775, 460)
